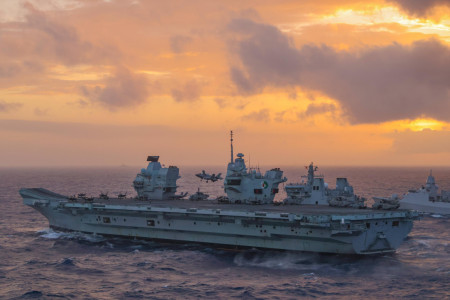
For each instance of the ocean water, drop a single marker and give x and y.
(39, 263)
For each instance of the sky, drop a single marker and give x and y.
(337, 82)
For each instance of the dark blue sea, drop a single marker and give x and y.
(39, 263)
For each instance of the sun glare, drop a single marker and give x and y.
(378, 16)
(422, 124)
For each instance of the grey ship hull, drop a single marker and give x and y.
(298, 228)
(421, 203)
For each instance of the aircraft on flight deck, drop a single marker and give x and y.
(209, 177)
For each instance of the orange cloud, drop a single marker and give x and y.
(420, 8)
(9, 106)
(122, 90)
(373, 85)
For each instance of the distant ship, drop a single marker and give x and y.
(316, 192)
(426, 199)
(246, 217)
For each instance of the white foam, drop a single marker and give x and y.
(93, 238)
(48, 233)
(284, 261)
(423, 243)
(437, 216)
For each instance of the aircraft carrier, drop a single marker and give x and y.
(247, 217)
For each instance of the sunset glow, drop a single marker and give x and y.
(337, 82)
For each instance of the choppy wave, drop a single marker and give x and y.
(437, 216)
(49, 233)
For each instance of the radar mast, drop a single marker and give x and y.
(231, 140)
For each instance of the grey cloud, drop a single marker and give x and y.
(124, 89)
(189, 92)
(62, 40)
(317, 108)
(385, 83)
(80, 103)
(239, 104)
(51, 40)
(419, 8)
(178, 43)
(222, 103)
(8, 70)
(242, 82)
(33, 66)
(259, 116)
(293, 95)
(279, 117)
(265, 43)
(9, 106)
(373, 85)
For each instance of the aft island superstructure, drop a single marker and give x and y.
(248, 217)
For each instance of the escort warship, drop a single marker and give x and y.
(316, 192)
(427, 199)
(312, 218)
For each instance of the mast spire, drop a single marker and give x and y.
(231, 140)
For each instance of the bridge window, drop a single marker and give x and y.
(106, 220)
(395, 223)
(234, 182)
(150, 222)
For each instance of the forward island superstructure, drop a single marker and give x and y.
(156, 182)
(250, 186)
(247, 217)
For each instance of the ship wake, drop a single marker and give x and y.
(50, 234)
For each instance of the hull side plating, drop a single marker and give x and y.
(260, 226)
